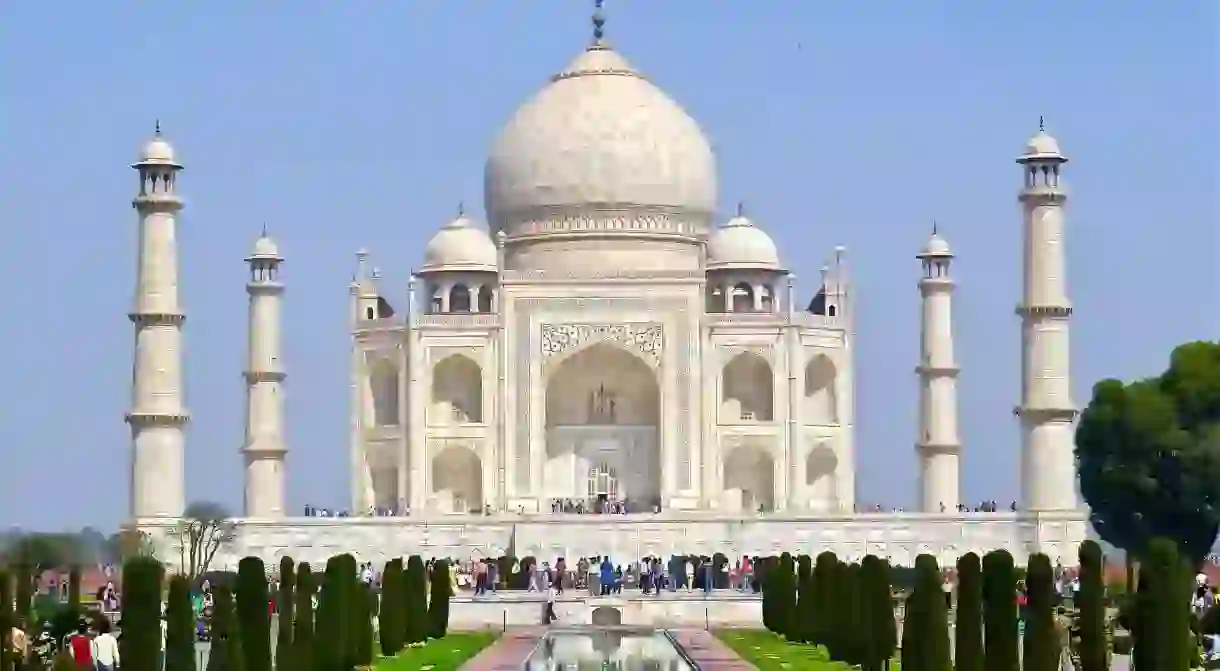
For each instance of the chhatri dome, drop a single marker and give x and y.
(601, 152)
(157, 149)
(739, 244)
(460, 245)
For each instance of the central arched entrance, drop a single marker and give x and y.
(603, 410)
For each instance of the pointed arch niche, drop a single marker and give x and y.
(820, 406)
(747, 390)
(749, 479)
(457, 480)
(457, 392)
(821, 477)
(383, 384)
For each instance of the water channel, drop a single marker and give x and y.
(608, 649)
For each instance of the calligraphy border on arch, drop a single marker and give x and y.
(522, 377)
(646, 338)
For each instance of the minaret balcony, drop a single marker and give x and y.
(256, 376)
(140, 420)
(928, 449)
(142, 319)
(157, 202)
(1039, 415)
(1043, 195)
(1044, 310)
(928, 370)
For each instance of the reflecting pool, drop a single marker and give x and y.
(607, 650)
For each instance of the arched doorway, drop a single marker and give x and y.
(603, 410)
(749, 479)
(457, 480)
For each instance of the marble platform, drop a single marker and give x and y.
(899, 537)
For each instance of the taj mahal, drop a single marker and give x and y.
(607, 337)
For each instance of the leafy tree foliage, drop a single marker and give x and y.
(1149, 455)
(206, 527)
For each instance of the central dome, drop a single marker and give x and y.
(599, 137)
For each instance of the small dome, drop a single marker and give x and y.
(739, 244)
(1042, 146)
(936, 246)
(158, 149)
(265, 248)
(460, 245)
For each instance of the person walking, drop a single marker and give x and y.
(105, 647)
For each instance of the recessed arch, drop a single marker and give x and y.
(459, 298)
(821, 402)
(747, 390)
(457, 392)
(821, 477)
(457, 480)
(743, 297)
(602, 384)
(749, 479)
(383, 383)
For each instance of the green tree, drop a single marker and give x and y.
(438, 599)
(805, 599)
(999, 612)
(23, 583)
(285, 604)
(140, 644)
(389, 614)
(7, 621)
(302, 626)
(205, 528)
(877, 625)
(783, 581)
(1090, 603)
(74, 589)
(838, 597)
(415, 598)
(1147, 459)
(925, 630)
(252, 599)
(348, 610)
(179, 626)
(968, 633)
(1161, 627)
(761, 574)
(1041, 644)
(226, 649)
(363, 607)
(823, 597)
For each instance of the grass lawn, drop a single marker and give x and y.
(771, 653)
(440, 654)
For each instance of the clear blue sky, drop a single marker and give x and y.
(341, 125)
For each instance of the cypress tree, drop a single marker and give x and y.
(785, 592)
(23, 579)
(968, 635)
(764, 570)
(285, 606)
(1090, 606)
(389, 614)
(302, 626)
(415, 591)
(74, 590)
(823, 606)
(140, 644)
(252, 599)
(362, 612)
(804, 601)
(838, 597)
(1041, 644)
(999, 612)
(327, 647)
(226, 650)
(179, 626)
(1162, 610)
(878, 630)
(7, 621)
(930, 630)
(438, 599)
(349, 609)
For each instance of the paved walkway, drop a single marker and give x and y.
(508, 653)
(709, 652)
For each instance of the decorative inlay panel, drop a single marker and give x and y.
(647, 339)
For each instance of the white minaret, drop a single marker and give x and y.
(1048, 465)
(265, 447)
(938, 444)
(158, 418)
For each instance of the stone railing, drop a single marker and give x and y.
(803, 319)
(461, 320)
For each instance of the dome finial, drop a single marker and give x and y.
(934, 232)
(599, 22)
(157, 128)
(741, 208)
(461, 208)
(264, 234)
(1041, 124)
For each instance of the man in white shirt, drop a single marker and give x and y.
(105, 647)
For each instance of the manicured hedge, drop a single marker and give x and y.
(285, 607)
(1090, 603)
(390, 613)
(252, 606)
(999, 612)
(302, 628)
(968, 633)
(438, 599)
(179, 626)
(1041, 643)
(415, 601)
(140, 644)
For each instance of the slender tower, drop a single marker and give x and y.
(265, 447)
(157, 417)
(938, 444)
(1048, 465)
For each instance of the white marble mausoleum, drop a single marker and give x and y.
(606, 336)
